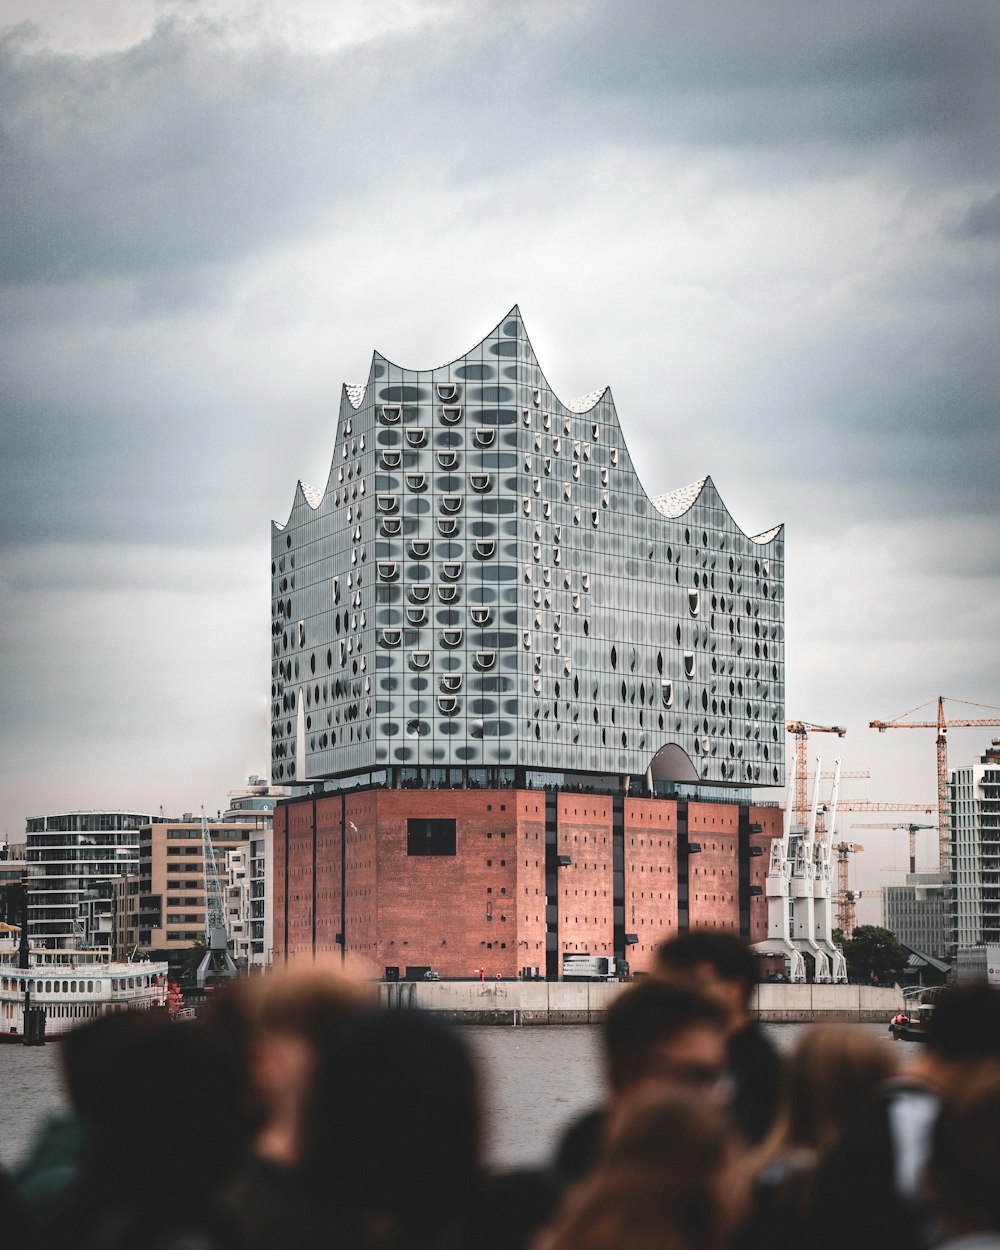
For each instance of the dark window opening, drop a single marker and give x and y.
(430, 837)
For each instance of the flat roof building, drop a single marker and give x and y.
(975, 851)
(919, 913)
(73, 858)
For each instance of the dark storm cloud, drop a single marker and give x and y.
(190, 147)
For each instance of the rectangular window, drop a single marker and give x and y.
(430, 837)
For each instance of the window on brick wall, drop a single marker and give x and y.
(430, 837)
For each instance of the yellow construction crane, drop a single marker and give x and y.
(942, 725)
(801, 729)
(864, 805)
(845, 901)
(849, 913)
(911, 829)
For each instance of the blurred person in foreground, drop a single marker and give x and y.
(166, 1129)
(831, 1075)
(294, 1012)
(869, 1189)
(274, 1027)
(655, 1034)
(723, 966)
(391, 1149)
(88, 1058)
(962, 1181)
(668, 1178)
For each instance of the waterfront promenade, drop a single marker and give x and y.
(565, 1002)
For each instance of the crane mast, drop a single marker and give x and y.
(217, 963)
(803, 890)
(779, 931)
(941, 725)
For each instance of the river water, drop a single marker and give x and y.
(535, 1080)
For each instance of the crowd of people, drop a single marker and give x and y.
(299, 1116)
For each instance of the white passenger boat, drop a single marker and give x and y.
(72, 986)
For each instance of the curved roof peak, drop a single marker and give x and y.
(355, 392)
(311, 494)
(585, 402)
(675, 503)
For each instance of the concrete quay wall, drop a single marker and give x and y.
(566, 1002)
(814, 1004)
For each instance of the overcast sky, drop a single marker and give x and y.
(773, 229)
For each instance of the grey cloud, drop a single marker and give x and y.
(983, 219)
(189, 148)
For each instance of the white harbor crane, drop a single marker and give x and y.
(217, 963)
(799, 890)
(824, 877)
(803, 888)
(777, 888)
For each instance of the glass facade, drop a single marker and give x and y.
(72, 858)
(975, 851)
(484, 583)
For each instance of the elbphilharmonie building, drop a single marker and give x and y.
(485, 584)
(484, 596)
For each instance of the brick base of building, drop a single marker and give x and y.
(499, 882)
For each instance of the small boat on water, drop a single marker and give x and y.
(72, 986)
(910, 1023)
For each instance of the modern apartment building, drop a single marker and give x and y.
(73, 860)
(161, 909)
(975, 851)
(528, 699)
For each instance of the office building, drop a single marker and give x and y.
(919, 913)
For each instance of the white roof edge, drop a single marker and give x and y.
(311, 494)
(355, 392)
(767, 535)
(676, 502)
(584, 403)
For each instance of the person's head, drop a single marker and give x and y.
(667, 1179)
(830, 1075)
(392, 1138)
(179, 1082)
(291, 1013)
(963, 1176)
(92, 1054)
(717, 963)
(963, 1033)
(656, 1032)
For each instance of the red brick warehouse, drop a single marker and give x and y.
(458, 880)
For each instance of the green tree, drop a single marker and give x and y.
(873, 952)
(192, 959)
